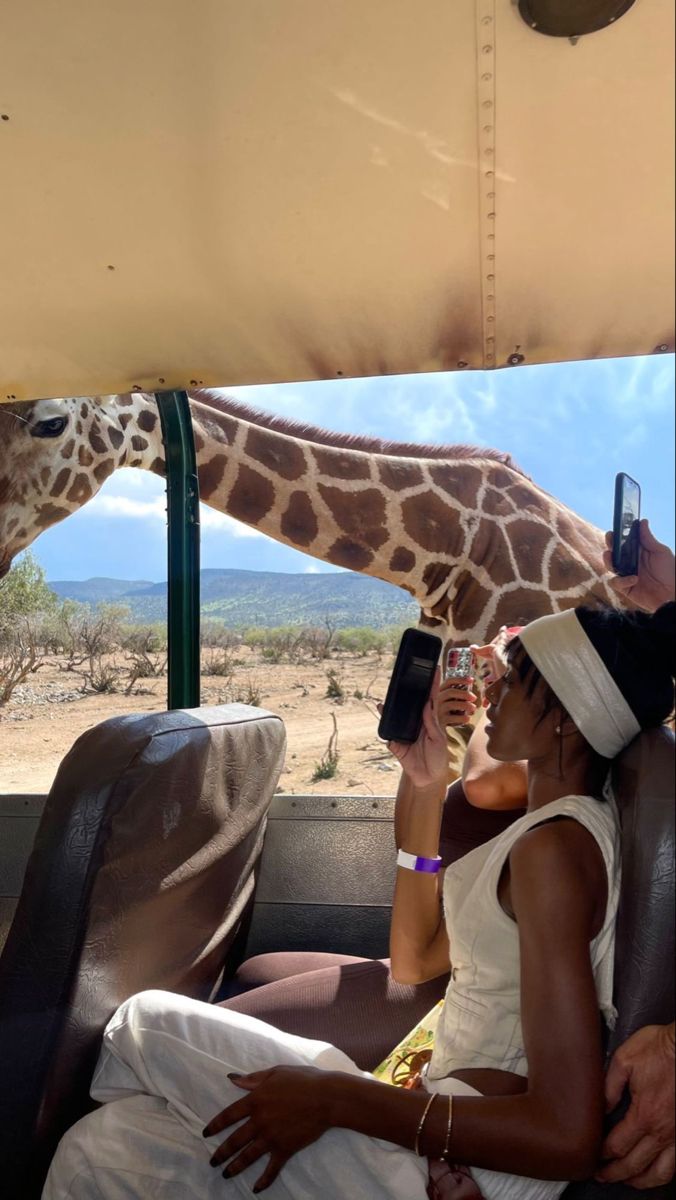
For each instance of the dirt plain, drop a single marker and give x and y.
(54, 706)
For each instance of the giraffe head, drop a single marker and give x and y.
(55, 454)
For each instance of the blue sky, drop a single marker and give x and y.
(571, 426)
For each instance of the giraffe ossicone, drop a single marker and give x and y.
(475, 541)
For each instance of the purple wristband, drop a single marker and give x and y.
(417, 862)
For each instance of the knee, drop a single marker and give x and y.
(144, 1010)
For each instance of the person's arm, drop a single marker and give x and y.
(641, 1146)
(654, 584)
(488, 783)
(550, 1131)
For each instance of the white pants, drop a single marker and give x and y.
(162, 1075)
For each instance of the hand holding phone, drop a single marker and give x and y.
(410, 686)
(626, 531)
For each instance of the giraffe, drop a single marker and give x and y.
(463, 530)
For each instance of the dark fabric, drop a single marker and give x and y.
(464, 827)
(142, 870)
(355, 1005)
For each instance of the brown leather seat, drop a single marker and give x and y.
(141, 875)
(355, 1003)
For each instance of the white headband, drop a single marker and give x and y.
(576, 673)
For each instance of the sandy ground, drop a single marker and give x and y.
(47, 714)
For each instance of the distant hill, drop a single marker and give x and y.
(264, 598)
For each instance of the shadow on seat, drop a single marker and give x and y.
(141, 876)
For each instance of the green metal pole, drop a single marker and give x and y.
(183, 542)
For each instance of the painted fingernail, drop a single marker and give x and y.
(227, 1173)
(205, 1131)
(233, 1076)
(213, 1162)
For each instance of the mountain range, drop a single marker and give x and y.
(259, 598)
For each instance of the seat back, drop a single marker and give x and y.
(643, 781)
(141, 874)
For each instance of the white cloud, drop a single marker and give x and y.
(155, 509)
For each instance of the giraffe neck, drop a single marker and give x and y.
(475, 541)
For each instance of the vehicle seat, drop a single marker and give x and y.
(142, 873)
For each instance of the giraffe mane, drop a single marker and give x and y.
(348, 441)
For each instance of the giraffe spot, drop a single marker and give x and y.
(6, 487)
(519, 607)
(251, 496)
(138, 443)
(566, 572)
(103, 470)
(529, 540)
(402, 559)
(359, 514)
(85, 457)
(496, 503)
(434, 575)
(346, 553)
(279, 454)
(525, 499)
(210, 475)
(116, 437)
(157, 466)
(458, 480)
(96, 441)
(80, 490)
(398, 475)
(500, 478)
(490, 550)
(299, 522)
(60, 481)
(432, 524)
(147, 420)
(49, 514)
(341, 465)
(125, 418)
(125, 400)
(68, 448)
(470, 599)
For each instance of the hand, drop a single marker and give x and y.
(654, 584)
(286, 1108)
(456, 702)
(425, 761)
(641, 1146)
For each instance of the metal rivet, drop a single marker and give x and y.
(491, 216)
(462, 363)
(489, 357)
(490, 299)
(486, 103)
(486, 20)
(488, 128)
(490, 339)
(110, 267)
(486, 49)
(490, 318)
(515, 359)
(486, 77)
(490, 278)
(661, 349)
(488, 151)
(490, 195)
(490, 258)
(490, 237)
(489, 174)
(4, 117)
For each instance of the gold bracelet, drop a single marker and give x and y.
(428, 1106)
(447, 1144)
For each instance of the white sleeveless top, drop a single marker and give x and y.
(480, 1022)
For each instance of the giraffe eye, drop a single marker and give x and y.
(52, 428)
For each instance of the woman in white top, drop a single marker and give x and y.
(514, 1089)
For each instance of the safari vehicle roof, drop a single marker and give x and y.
(228, 193)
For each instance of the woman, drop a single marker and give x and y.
(515, 1084)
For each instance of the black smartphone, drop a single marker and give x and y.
(410, 686)
(626, 532)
